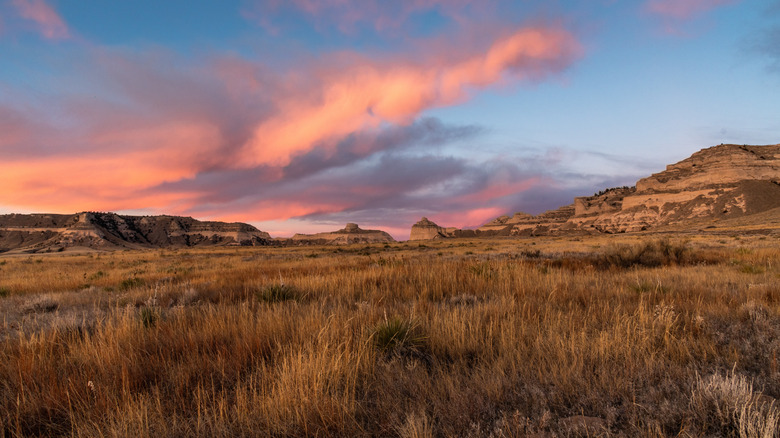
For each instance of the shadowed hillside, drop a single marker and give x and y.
(31, 233)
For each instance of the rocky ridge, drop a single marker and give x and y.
(720, 182)
(351, 233)
(35, 233)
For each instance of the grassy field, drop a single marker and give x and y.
(615, 335)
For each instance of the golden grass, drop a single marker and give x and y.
(496, 337)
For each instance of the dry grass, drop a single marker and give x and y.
(565, 337)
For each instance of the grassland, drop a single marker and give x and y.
(617, 335)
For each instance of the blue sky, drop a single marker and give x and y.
(301, 115)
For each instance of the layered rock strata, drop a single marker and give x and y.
(351, 233)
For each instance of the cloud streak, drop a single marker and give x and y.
(676, 15)
(47, 20)
(683, 9)
(350, 16)
(364, 95)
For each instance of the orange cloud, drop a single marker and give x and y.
(366, 95)
(113, 176)
(48, 20)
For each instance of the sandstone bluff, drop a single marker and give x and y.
(718, 183)
(352, 233)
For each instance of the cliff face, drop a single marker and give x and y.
(724, 165)
(523, 224)
(719, 182)
(352, 233)
(54, 232)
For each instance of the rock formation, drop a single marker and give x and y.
(33, 233)
(352, 233)
(426, 229)
(527, 225)
(720, 182)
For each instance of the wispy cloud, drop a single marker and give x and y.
(768, 46)
(675, 16)
(348, 16)
(684, 9)
(47, 20)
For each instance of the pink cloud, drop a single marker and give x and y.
(364, 95)
(683, 9)
(48, 20)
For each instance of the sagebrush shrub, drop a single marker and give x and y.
(727, 406)
(649, 254)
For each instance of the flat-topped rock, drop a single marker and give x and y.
(351, 233)
(426, 229)
(352, 228)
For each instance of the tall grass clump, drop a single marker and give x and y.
(726, 405)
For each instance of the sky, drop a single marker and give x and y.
(302, 115)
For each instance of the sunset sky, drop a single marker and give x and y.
(302, 115)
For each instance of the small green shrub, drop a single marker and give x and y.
(649, 254)
(483, 270)
(751, 269)
(131, 283)
(396, 334)
(4, 292)
(646, 286)
(277, 293)
(97, 275)
(149, 317)
(531, 254)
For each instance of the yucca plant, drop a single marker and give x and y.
(277, 293)
(397, 333)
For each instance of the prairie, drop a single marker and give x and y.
(590, 336)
